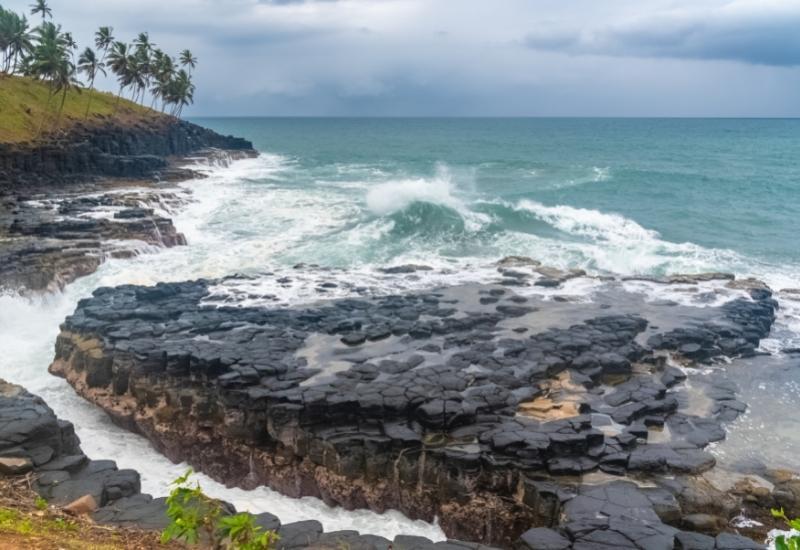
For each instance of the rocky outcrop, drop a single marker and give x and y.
(473, 404)
(64, 208)
(131, 149)
(34, 442)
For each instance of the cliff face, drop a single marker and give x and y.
(107, 149)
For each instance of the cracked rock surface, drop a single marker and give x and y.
(496, 412)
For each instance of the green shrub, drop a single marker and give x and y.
(782, 542)
(194, 515)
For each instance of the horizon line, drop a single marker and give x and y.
(500, 117)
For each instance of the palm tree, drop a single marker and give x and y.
(89, 64)
(162, 67)
(144, 49)
(49, 52)
(103, 39)
(71, 45)
(63, 81)
(21, 42)
(50, 61)
(138, 69)
(118, 59)
(15, 39)
(187, 59)
(40, 6)
(181, 92)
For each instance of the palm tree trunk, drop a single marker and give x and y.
(89, 104)
(119, 96)
(44, 113)
(61, 107)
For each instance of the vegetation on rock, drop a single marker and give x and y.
(28, 521)
(194, 516)
(47, 54)
(792, 540)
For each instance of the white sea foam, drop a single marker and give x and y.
(391, 196)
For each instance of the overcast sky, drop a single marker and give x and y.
(470, 57)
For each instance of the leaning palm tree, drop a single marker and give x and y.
(64, 81)
(50, 61)
(161, 69)
(181, 92)
(71, 45)
(40, 6)
(21, 42)
(187, 59)
(118, 58)
(89, 64)
(103, 39)
(50, 50)
(15, 39)
(138, 70)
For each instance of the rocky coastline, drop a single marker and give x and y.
(515, 419)
(515, 414)
(107, 149)
(37, 444)
(100, 191)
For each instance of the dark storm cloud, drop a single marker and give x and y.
(757, 32)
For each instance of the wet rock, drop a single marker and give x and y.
(406, 268)
(300, 534)
(729, 541)
(694, 541)
(541, 538)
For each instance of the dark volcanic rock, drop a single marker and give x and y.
(370, 414)
(28, 425)
(107, 149)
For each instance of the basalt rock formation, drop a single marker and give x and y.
(107, 149)
(34, 442)
(100, 191)
(506, 416)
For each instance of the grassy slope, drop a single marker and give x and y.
(23, 106)
(28, 523)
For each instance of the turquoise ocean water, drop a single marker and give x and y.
(623, 195)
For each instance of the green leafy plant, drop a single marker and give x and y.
(784, 542)
(194, 516)
(40, 503)
(242, 533)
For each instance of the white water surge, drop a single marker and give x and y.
(28, 329)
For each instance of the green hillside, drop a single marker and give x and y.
(24, 109)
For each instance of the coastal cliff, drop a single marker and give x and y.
(98, 190)
(107, 148)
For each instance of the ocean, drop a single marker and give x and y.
(611, 196)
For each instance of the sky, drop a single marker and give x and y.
(469, 57)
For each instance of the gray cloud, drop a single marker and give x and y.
(467, 57)
(750, 31)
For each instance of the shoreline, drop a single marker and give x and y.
(53, 197)
(304, 480)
